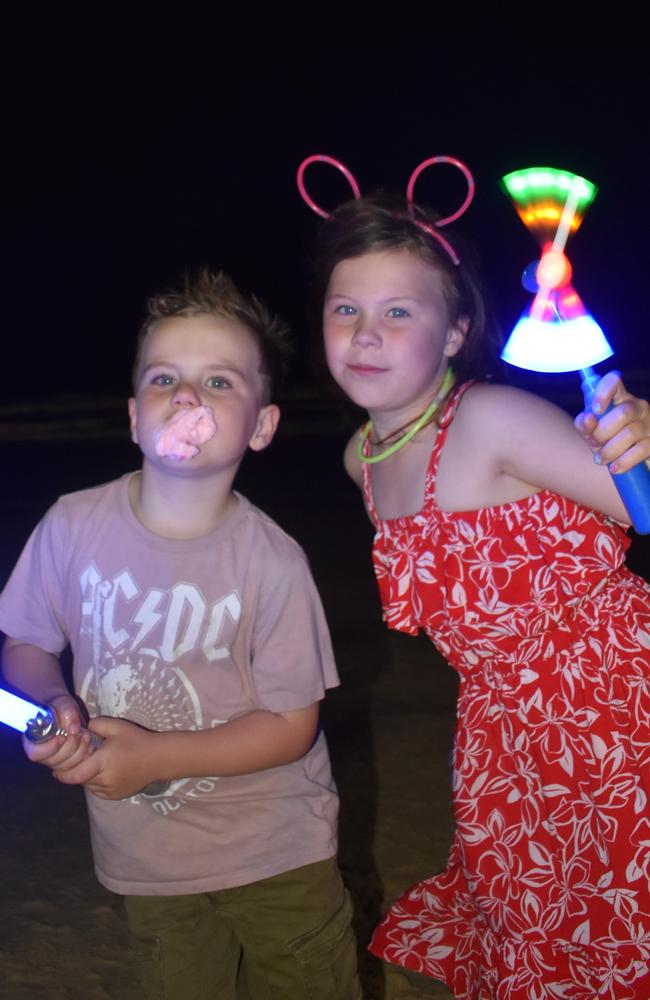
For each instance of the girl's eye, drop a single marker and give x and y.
(163, 380)
(397, 312)
(217, 382)
(345, 310)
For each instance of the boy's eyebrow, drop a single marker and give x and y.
(221, 366)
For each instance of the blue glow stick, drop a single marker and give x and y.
(37, 722)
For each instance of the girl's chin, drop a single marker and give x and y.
(361, 394)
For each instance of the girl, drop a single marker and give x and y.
(500, 535)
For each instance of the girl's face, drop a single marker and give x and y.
(388, 337)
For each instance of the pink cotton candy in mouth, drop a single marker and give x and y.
(181, 436)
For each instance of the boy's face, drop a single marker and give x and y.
(202, 361)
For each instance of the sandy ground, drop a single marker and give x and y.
(63, 937)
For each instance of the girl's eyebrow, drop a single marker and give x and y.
(390, 298)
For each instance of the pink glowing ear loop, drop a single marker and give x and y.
(450, 218)
(319, 158)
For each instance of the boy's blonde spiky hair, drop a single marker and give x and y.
(214, 293)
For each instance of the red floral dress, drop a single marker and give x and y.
(546, 894)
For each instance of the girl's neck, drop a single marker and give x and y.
(178, 507)
(391, 427)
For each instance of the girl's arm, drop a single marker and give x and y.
(130, 757)
(506, 443)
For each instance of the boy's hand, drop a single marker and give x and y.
(62, 752)
(123, 765)
(621, 438)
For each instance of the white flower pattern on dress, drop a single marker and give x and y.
(546, 894)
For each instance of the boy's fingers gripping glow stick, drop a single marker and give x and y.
(39, 723)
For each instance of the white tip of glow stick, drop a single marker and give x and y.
(17, 712)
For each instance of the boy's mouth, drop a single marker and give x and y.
(181, 437)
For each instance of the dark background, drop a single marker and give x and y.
(141, 142)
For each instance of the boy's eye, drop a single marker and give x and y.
(218, 382)
(163, 380)
(398, 312)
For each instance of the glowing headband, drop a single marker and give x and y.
(431, 230)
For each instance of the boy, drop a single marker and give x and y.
(201, 654)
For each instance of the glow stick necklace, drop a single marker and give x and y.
(447, 383)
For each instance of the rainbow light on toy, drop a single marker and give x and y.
(556, 333)
(540, 194)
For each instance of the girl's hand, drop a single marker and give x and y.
(621, 438)
(123, 765)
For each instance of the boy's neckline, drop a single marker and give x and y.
(167, 528)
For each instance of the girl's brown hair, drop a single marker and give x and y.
(381, 222)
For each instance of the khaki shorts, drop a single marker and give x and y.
(287, 937)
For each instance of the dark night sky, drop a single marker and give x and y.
(141, 144)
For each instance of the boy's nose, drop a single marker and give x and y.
(185, 395)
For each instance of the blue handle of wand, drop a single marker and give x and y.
(634, 485)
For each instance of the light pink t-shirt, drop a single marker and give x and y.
(185, 634)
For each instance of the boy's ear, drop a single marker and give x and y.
(267, 423)
(132, 421)
(456, 336)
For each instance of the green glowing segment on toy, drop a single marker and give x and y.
(540, 194)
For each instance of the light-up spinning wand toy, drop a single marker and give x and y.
(556, 333)
(39, 723)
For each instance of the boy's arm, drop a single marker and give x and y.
(131, 757)
(38, 675)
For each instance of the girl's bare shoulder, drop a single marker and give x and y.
(351, 460)
(500, 403)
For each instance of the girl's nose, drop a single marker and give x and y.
(185, 395)
(366, 333)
